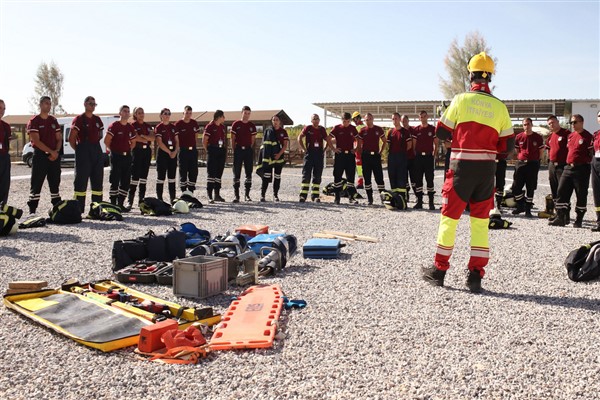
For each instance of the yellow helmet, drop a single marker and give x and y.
(481, 62)
(355, 114)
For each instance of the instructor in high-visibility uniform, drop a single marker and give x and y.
(480, 127)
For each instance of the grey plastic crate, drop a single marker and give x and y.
(199, 276)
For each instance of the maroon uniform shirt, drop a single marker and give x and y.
(580, 146)
(528, 146)
(215, 134)
(187, 132)
(142, 129)
(344, 137)
(243, 133)
(425, 136)
(89, 129)
(281, 135)
(121, 137)
(4, 137)
(167, 133)
(46, 128)
(397, 140)
(557, 146)
(370, 138)
(314, 137)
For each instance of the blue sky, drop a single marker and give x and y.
(272, 55)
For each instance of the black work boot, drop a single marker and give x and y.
(433, 276)
(337, 198)
(431, 205)
(237, 195)
(498, 198)
(520, 207)
(596, 228)
(218, 195)
(113, 200)
(419, 204)
(474, 281)
(528, 207)
(568, 216)
(560, 219)
(370, 197)
(407, 193)
(579, 220)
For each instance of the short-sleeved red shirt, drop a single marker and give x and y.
(424, 136)
(216, 134)
(314, 137)
(4, 137)
(397, 140)
(88, 129)
(46, 128)
(167, 133)
(188, 132)
(528, 146)
(580, 146)
(344, 137)
(557, 146)
(370, 138)
(243, 133)
(121, 137)
(141, 129)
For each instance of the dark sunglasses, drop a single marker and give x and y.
(573, 122)
(166, 113)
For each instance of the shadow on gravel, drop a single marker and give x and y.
(296, 269)
(141, 220)
(50, 237)
(13, 252)
(566, 302)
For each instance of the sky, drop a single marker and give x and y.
(288, 55)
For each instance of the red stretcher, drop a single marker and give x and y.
(251, 320)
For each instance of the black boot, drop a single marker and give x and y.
(337, 198)
(528, 207)
(561, 219)
(236, 190)
(568, 216)
(579, 220)
(131, 193)
(498, 198)
(474, 281)
(142, 193)
(247, 193)
(407, 193)
(431, 205)
(113, 200)
(370, 197)
(520, 207)
(419, 203)
(209, 192)
(596, 228)
(433, 276)
(218, 195)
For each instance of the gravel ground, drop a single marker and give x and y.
(372, 329)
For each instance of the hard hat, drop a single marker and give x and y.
(187, 193)
(355, 114)
(481, 62)
(181, 207)
(388, 200)
(510, 202)
(14, 229)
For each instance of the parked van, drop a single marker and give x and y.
(67, 152)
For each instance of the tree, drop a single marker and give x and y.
(456, 62)
(48, 82)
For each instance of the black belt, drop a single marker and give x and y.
(347, 151)
(425, 154)
(557, 164)
(576, 164)
(189, 148)
(143, 146)
(122, 153)
(242, 147)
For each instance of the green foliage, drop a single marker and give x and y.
(48, 82)
(456, 62)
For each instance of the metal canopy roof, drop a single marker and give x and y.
(382, 110)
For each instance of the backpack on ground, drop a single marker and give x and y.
(104, 211)
(154, 206)
(35, 222)
(7, 224)
(65, 212)
(190, 200)
(583, 264)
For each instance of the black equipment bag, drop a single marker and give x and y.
(583, 264)
(126, 252)
(104, 211)
(154, 206)
(65, 212)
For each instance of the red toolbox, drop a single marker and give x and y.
(150, 335)
(252, 230)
